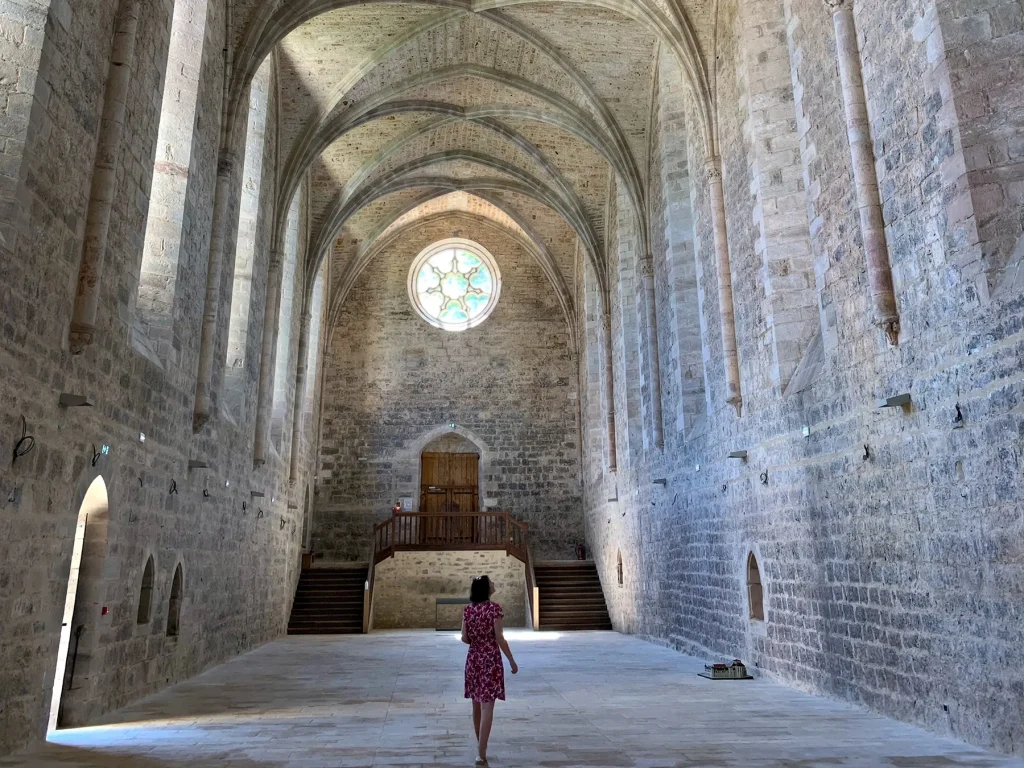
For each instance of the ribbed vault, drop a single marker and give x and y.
(530, 110)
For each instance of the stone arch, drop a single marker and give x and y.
(274, 21)
(755, 587)
(398, 178)
(559, 112)
(175, 601)
(86, 591)
(524, 239)
(145, 610)
(419, 445)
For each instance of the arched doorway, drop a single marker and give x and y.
(81, 608)
(450, 486)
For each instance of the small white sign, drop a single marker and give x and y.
(490, 503)
(406, 503)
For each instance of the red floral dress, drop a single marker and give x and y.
(485, 673)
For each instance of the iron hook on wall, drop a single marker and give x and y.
(24, 445)
(764, 477)
(174, 487)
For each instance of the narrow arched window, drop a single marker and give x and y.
(174, 606)
(146, 594)
(755, 593)
(618, 567)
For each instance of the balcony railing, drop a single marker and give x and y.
(423, 532)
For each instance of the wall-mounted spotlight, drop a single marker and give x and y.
(142, 437)
(807, 431)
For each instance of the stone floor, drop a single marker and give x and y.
(395, 699)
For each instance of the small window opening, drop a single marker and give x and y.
(146, 595)
(618, 567)
(755, 593)
(174, 606)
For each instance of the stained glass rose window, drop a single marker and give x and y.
(454, 284)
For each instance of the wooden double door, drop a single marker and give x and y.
(449, 487)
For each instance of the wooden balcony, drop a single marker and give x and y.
(423, 532)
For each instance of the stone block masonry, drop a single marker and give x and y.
(239, 565)
(888, 540)
(406, 585)
(394, 383)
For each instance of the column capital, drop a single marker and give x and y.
(836, 6)
(713, 168)
(647, 266)
(226, 162)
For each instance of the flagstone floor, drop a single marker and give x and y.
(395, 699)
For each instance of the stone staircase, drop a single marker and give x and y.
(328, 601)
(570, 596)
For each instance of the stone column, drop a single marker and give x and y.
(865, 178)
(104, 178)
(653, 361)
(211, 307)
(300, 381)
(609, 385)
(726, 310)
(265, 396)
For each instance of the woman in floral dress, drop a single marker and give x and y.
(485, 673)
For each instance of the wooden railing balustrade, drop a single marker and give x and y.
(423, 532)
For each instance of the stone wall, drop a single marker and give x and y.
(407, 585)
(888, 540)
(394, 383)
(239, 554)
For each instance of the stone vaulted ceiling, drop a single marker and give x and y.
(521, 113)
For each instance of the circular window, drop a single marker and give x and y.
(454, 284)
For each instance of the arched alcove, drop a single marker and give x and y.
(755, 593)
(81, 603)
(145, 611)
(174, 604)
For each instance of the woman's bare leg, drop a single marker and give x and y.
(486, 718)
(476, 719)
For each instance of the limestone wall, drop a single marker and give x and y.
(889, 540)
(406, 587)
(239, 554)
(394, 383)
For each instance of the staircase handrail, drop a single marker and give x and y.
(532, 590)
(424, 531)
(368, 590)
